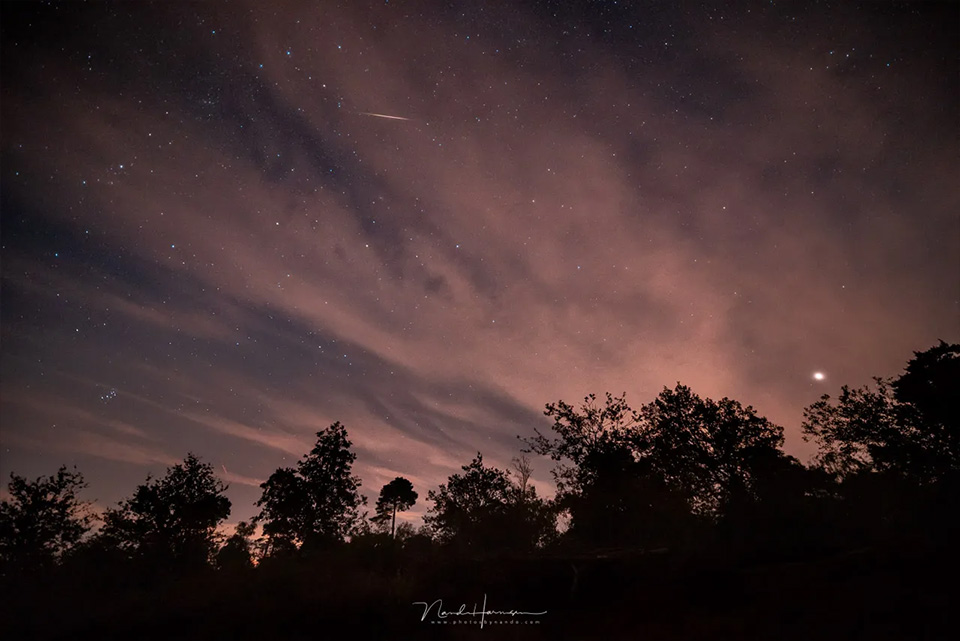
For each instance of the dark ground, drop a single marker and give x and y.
(870, 593)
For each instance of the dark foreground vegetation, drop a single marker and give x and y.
(681, 520)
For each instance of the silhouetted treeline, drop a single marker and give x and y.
(680, 519)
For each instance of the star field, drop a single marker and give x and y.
(226, 226)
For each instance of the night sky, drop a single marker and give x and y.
(225, 226)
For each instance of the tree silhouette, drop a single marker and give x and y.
(468, 502)
(396, 496)
(857, 434)
(612, 497)
(317, 504)
(893, 451)
(533, 520)
(686, 487)
(786, 508)
(42, 519)
(522, 471)
(679, 455)
(625, 502)
(236, 553)
(702, 447)
(908, 427)
(482, 510)
(172, 519)
(931, 386)
(284, 511)
(583, 435)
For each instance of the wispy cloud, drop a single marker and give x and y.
(246, 260)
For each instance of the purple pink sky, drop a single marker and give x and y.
(212, 243)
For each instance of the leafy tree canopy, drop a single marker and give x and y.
(908, 427)
(174, 517)
(396, 496)
(236, 553)
(482, 509)
(692, 446)
(317, 504)
(703, 447)
(43, 518)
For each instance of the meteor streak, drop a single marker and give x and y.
(367, 113)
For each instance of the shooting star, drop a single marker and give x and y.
(367, 113)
